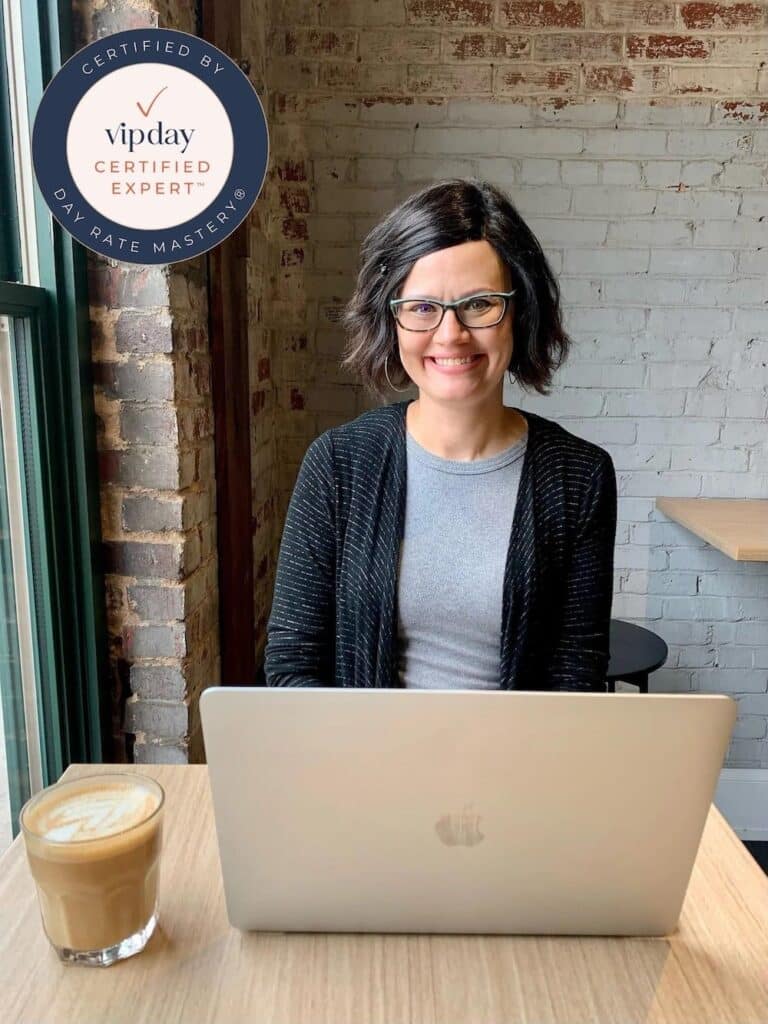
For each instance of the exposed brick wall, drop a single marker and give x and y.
(634, 138)
(152, 379)
(263, 349)
(632, 135)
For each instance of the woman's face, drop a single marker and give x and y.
(448, 274)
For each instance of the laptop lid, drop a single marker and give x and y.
(452, 811)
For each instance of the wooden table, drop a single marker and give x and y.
(197, 968)
(736, 526)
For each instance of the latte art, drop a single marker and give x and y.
(92, 813)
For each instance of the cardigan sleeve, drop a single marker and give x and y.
(300, 630)
(580, 656)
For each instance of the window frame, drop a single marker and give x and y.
(71, 640)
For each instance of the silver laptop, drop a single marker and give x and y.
(362, 810)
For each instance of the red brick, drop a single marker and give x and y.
(546, 14)
(313, 42)
(394, 45)
(631, 14)
(363, 76)
(560, 46)
(467, 80)
(722, 15)
(642, 80)
(295, 229)
(450, 12)
(744, 112)
(609, 79)
(371, 101)
(527, 79)
(658, 47)
(296, 342)
(479, 45)
(292, 170)
(294, 200)
(291, 257)
(258, 401)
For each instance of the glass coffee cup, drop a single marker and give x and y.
(93, 847)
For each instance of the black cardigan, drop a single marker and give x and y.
(333, 618)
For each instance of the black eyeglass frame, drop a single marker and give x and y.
(394, 303)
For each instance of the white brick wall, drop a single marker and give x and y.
(655, 219)
(684, 386)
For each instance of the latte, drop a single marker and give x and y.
(93, 847)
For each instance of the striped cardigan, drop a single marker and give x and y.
(333, 618)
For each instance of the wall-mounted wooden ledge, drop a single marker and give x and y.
(736, 526)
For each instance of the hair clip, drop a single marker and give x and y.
(382, 268)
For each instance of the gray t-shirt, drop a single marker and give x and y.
(458, 521)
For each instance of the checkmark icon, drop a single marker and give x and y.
(154, 100)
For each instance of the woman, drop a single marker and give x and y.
(493, 568)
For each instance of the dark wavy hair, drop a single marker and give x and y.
(441, 215)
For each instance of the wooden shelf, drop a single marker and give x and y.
(736, 526)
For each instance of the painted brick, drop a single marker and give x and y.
(161, 718)
(709, 144)
(619, 78)
(562, 46)
(118, 287)
(149, 381)
(449, 12)
(141, 423)
(715, 81)
(606, 142)
(622, 13)
(621, 172)
(613, 201)
(645, 404)
(580, 172)
(721, 15)
(381, 45)
(447, 79)
(150, 513)
(358, 76)
(158, 682)
(143, 333)
(157, 751)
(531, 79)
(667, 47)
(485, 46)
(154, 467)
(160, 603)
(144, 560)
(155, 641)
(545, 14)
(691, 262)
(313, 42)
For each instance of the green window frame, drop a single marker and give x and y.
(56, 435)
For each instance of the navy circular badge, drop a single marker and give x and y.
(150, 146)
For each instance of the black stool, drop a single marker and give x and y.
(635, 652)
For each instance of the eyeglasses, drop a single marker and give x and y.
(483, 310)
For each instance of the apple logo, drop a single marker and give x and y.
(460, 829)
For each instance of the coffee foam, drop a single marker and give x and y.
(96, 811)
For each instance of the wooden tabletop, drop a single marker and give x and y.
(198, 968)
(736, 526)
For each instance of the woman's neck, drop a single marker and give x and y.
(464, 433)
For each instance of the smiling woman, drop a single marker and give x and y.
(449, 541)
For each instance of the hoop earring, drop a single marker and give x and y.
(386, 374)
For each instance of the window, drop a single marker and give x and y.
(52, 635)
